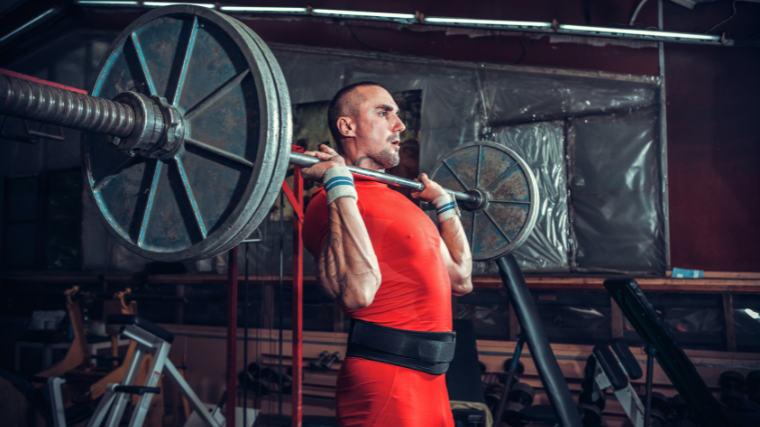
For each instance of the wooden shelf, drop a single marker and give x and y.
(719, 282)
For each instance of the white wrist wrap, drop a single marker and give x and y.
(339, 182)
(446, 207)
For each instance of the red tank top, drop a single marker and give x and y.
(415, 293)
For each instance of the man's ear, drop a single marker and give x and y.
(347, 127)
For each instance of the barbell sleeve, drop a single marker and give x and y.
(34, 101)
(301, 159)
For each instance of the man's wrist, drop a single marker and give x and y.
(446, 207)
(339, 182)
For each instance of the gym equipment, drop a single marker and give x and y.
(519, 397)
(731, 384)
(505, 214)
(511, 369)
(315, 364)
(189, 134)
(508, 365)
(611, 371)
(327, 364)
(151, 339)
(661, 344)
(186, 158)
(554, 382)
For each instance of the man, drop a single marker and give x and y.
(389, 267)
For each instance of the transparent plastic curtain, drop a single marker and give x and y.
(550, 119)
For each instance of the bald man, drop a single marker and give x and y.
(388, 265)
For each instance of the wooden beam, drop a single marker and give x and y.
(746, 284)
(728, 312)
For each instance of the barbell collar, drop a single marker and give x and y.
(34, 101)
(306, 160)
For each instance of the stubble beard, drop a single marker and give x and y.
(387, 157)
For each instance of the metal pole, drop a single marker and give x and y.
(540, 350)
(34, 101)
(232, 300)
(510, 376)
(297, 300)
(650, 371)
(305, 160)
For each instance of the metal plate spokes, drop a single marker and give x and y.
(195, 203)
(508, 218)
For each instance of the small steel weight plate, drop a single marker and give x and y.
(205, 198)
(505, 221)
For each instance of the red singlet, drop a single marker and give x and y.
(415, 294)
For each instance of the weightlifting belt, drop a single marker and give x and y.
(429, 352)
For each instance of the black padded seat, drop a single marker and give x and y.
(611, 367)
(142, 323)
(626, 358)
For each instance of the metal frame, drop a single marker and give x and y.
(295, 197)
(112, 405)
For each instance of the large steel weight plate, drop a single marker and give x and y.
(507, 215)
(204, 197)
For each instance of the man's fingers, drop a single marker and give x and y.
(325, 148)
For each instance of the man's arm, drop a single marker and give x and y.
(455, 249)
(347, 266)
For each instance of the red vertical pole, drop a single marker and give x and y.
(297, 297)
(232, 303)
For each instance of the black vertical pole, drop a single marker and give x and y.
(540, 351)
(650, 373)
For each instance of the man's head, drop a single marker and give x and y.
(363, 119)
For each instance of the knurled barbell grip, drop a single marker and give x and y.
(34, 101)
(306, 160)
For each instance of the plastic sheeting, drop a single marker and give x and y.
(615, 193)
(541, 145)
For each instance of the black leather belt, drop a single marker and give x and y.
(429, 352)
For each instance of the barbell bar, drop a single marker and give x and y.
(184, 156)
(29, 100)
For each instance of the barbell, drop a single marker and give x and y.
(188, 134)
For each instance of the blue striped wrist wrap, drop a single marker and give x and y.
(339, 182)
(446, 207)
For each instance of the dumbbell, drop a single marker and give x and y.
(260, 388)
(493, 396)
(520, 367)
(592, 394)
(660, 409)
(314, 365)
(731, 382)
(591, 415)
(519, 397)
(335, 357)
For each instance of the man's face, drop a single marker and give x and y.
(378, 127)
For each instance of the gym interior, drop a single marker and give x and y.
(152, 267)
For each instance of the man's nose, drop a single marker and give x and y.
(398, 126)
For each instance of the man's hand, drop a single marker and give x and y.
(329, 158)
(431, 191)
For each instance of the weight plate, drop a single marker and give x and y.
(192, 205)
(285, 131)
(508, 218)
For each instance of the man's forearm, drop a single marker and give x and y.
(460, 269)
(348, 267)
